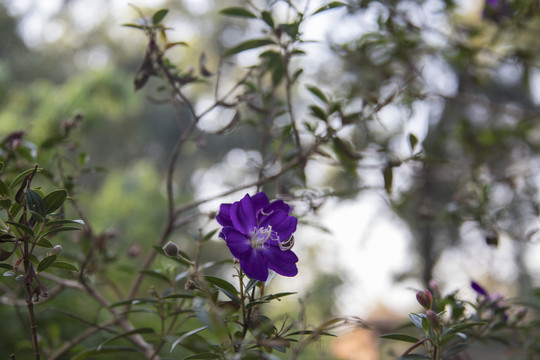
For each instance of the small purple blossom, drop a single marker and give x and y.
(479, 289)
(259, 234)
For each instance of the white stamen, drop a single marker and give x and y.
(286, 245)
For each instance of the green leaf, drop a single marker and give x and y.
(1, 166)
(454, 350)
(203, 356)
(45, 263)
(104, 350)
(248, 45)
(136, 26)
(209, 235)
(37, 217)
(178, 296)
(388, 175)
(83, 158)
(186, 335)
(4, 190)
(64, 266)
(310, 332)
(277, 296)
(290, 29)
(6, 266)
(4, 255)
(144, 330)
(224, 286)
(44, 243)
(251, 284)
(255, 303)
(329, 6)
(60, 229)
(135, 301)
(64, 221)
(5, 203)
(416, 319)
(413, 140)
(414, 357)
(159, 16)
(400, 337)
(466, 325)
(35, 203)
(318, 93)
(267, 18)
(238, 11)
(19, 178)
(318, 112)
(22, 228)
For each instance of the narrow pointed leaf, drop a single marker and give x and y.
(329, 6)
(186, 335)
(225, 287)
(64, 266)
(4, 190)
(248, 45)
(22, 228)
(238, 11)
(61, 229)
(318, 93)
(203, 356)
(159, 16)
(45, 263)
(454, 350)
(400, 337)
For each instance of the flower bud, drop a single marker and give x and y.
(425, 299)
(56, 250)
(171, 249)
(521, 313)
(433, 320)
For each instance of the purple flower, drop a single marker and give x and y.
(479, 289)
(259, 234)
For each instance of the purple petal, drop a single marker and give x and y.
(224, 215)
(260, 201)
(282, 262)
(279, 205)
(237, 243)
(272, 218)
(243, 215)
(286, 228)
(254, 265)
(479, 289)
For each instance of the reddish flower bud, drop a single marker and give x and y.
(425, 299)
(433, 320)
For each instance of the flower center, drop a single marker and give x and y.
(260, 236)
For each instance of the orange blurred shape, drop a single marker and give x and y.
(359, 344)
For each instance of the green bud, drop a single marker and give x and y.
(56, 250)
(171, 249)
